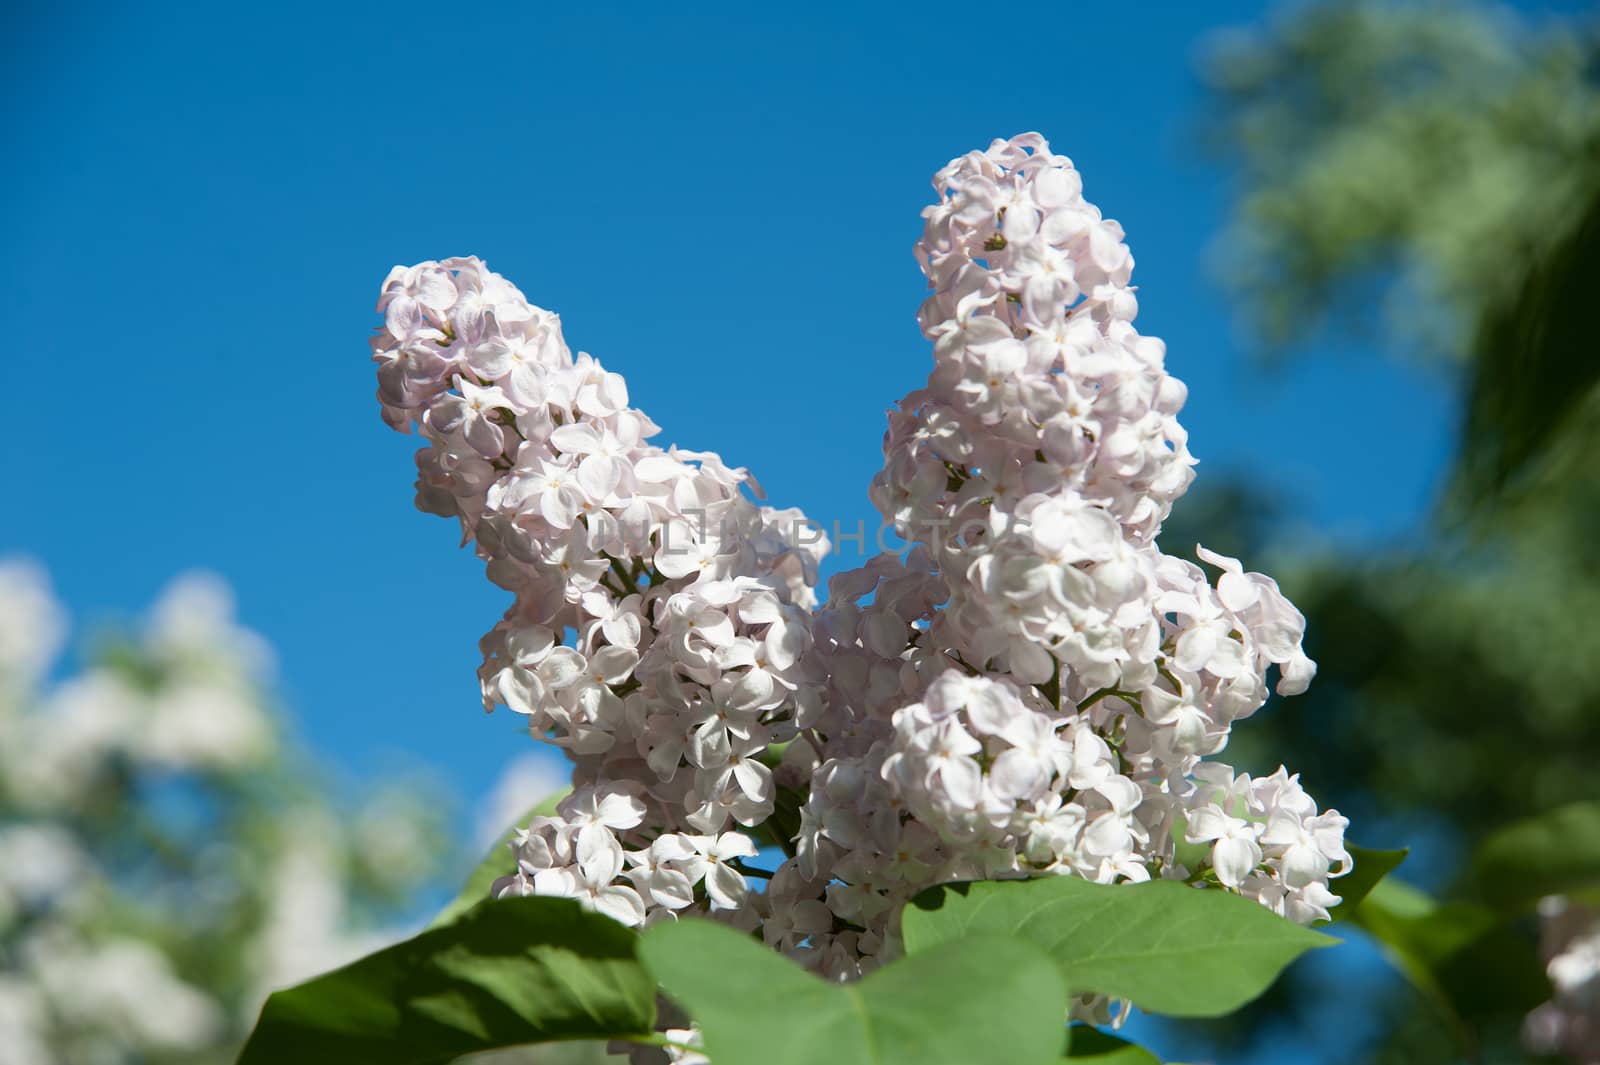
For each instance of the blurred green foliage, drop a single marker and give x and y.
(1426, 176)
(1413, 157)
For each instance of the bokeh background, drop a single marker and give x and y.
(1366, 231)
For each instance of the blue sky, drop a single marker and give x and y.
(721, 205)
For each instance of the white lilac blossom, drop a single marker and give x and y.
(1032, 688)
(660, 630)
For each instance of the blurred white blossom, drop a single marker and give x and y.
(1569, 1024)
(32, 623)
(165, 861)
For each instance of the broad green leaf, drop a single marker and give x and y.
(979, 1000)
(496, 864)
(511, 971)
(1446, 949)
(1554, 853)
(1171, 948)
(1416, 934)
(1090, 1046)
(1371, 866)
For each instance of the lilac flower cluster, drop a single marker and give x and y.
(1032, 688)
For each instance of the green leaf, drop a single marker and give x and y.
(1171, 948)
(1446, 949)
(1371, 866)
(1090, 1046)
(961, 1003)
(512, 971)
(496, 864)
(1552, 854)
(1418, 933)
